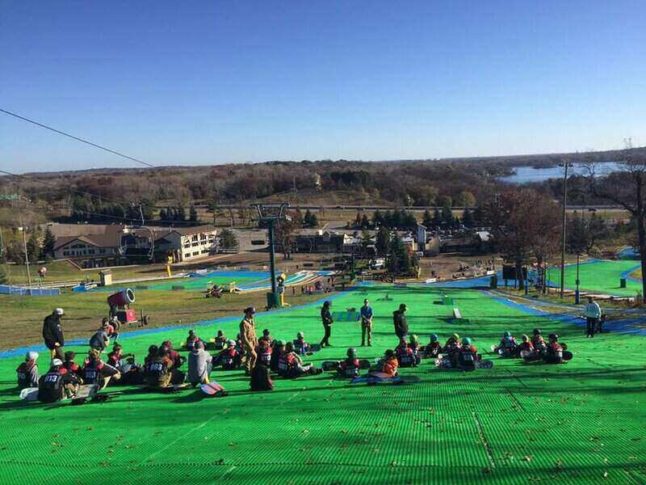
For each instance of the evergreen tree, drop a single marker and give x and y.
(192, 214)
(33, 247)
(4, 278)
(49, 241)
(357, 220)
(382, 244)
(307, 218)
(437, 218)
(409, 220)
(377, 219)
(180, 213)
(467, 218)
(314, 221)
(399, 261)
(447, 217)
(162, 215)
(365, 223)
(427, 219)
(478, 216)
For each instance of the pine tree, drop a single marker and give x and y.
(447, 217)
(365, 223)
(437, 218)
(314, 221)
(377, 219)
(467, 218)
(33, 247)
(382, 244)
(427, 219)
(192, 214)
(49, 241)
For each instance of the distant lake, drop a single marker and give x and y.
(525, 175)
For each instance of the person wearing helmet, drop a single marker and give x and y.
(366, 323)
(248, 339)
(53, 333)
(57, 383)
(434, 348)
(97, 372)
(413, 344)
(554, 352)
(349, 367)
(538, 341)
(229, 358)
(291, 365)
(467, 355)
(70, 365)
(117, 357)
(526, 345)
(452, 349)
(152, 354)
(507, 346)
(300, 345)
(326, 319)
(400, 322)
(199, 364)
(404, 354)
(27, 372)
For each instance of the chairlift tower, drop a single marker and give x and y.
(270, 214)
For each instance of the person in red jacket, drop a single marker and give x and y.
(349, 367)
(290, 364)
(70, 365)
(98, 372)
(538, 341)
(173, 355)
(554, 352)
(526, 345)
(264, 351)
(434, 348)
(229, 358)
(390, 364)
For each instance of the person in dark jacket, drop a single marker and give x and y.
(326, 318)
(27, 372)
(57, 383)
(399, 320)
(53, 334)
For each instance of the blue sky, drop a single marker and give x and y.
(231, 81)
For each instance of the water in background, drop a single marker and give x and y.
(525, 175)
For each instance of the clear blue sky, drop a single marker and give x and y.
(229, 81)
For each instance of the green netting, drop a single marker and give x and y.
(582, 422)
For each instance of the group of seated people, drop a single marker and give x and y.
(532, 349)
(64, 377)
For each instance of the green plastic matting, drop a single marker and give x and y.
(581, 422)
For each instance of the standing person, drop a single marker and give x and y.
(366, 323)
(53, 334)
(326, 318)
(399, 320)
(249, 339)
(100, 339)
(592, 316)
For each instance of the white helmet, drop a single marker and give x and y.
(59, 311)
(231, 343)
(57, 362)
(32, 355)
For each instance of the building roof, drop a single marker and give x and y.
(110, 239)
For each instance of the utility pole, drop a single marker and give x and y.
(566, 165)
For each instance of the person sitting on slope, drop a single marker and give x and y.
(387, 367)
(433, 349)
(538, 341)
(349, 367)
(507, 345)
(229, 358)
(95, 371)
(413, 344)
(290, 364)
(191, 340)
(554, 352)
(452, 349)
(267, 337)
(405, 355)
(173, 355)
(525, 345)
(57, 384)
(220, 341)
(300, 345)
(27, 372)
(70, 365)
(467, 355)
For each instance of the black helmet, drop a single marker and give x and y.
(554, 336)
(152, 349)
(352, 352)
(537, 331)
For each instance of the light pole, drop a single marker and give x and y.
(269, 214)
(576, 293)
(565, 165)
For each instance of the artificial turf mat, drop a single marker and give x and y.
(600, 277)
(582, 422)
